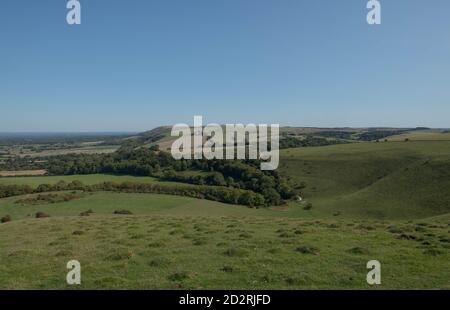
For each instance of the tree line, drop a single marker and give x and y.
(238, 174)
(268, 187)
(214, 193)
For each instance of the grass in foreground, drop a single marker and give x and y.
(188, 252)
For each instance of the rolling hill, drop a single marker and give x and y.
(388, 201)
(400, 180)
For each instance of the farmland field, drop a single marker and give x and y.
(22, 173)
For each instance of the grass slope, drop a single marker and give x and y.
(217, 252)
(423, 135)
(393, 200)
(374, 180)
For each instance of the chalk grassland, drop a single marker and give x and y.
(139, 204)
(387, 201)
(385, 180)
(221, 252)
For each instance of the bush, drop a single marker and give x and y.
(272, 197)
(86, 213)
(227, 269)
(123, 212)
(307, 250)
(40, 214)
(5, 219)
(358, 250)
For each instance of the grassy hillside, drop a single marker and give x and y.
(385, 201)
(374, 180)
(105, 203)
(221, 252)
(423, 135)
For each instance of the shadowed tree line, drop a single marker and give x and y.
(231, 181)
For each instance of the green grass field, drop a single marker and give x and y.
(384, 201)
(221, 252)
(86, 179)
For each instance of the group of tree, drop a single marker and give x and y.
(294, 142)
(237, 174)
(22, 163)
(374, 135)
(215, 193)
(260, 187)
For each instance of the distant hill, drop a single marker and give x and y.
(161, 135)
(148, 137)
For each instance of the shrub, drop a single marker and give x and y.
(227, 269)
(5, 219)
(358, 250)
(407, 237)
(272, 197)
(40, 214)
(123, 212)
(86, 213)
(307, 250)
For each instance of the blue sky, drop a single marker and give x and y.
(136, 64)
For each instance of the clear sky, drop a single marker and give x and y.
(136, 64)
